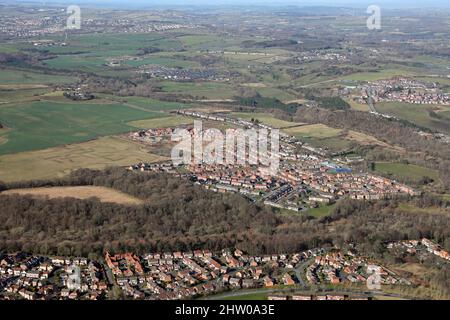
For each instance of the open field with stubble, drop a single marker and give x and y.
(60, 161)
(266, 119)
(314, 130)
(165, 122)
(81, 192)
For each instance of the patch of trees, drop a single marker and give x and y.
(331, 103)
(334, 71)
(259, 101)
(177, 215)
(268, 43)
(148, 50)
(16, 59)
(78, 96)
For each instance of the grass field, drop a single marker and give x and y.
(91, 51)
(320, 135)
(417, 114)
(10, 77)
(266, 119)
(154, 105)
(358, 106)
(321, 211)
(365, 139)
(60, 161)
(209, 90)
(77, 62)
(166, 122)
(81, 192)
(116, 44)
(41, 125)
(381, 74)
(408, 171)
(163, 61)
(271, 92)
(314, 131)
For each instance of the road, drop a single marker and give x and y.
(370, 100)
(290, 291)
(300, 271)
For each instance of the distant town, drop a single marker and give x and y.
(306, 178)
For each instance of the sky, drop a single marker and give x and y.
(346, 3)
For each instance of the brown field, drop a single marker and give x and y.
(358, 106)
(300, 101)
(22, 86)
(254, 85)
(82, 192)
(207, 109)
(365, 139)
(60, 161)
(215, 101)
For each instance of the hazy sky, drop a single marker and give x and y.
(352, 3)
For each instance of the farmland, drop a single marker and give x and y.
(10, 77)
(408, 171)
(81, 192)
(60, 161)
(152, 104)
(208, 90)
(266, 119)
(41, 125)
(314, 130)
(416, 113)
(166, 122)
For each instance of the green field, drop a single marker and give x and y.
(321, 211)
(208, 90)
(358, 106)
(266, 119)
(163, 61)
(166, 122)
(379, 75)
(91, 52)
(314, 131)
(77, 62)
(154, 105)
(18, 95)
(408, 171)
(117, 44)
(10, 77)
(271, 92)
(416, 113)
(42, 125)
